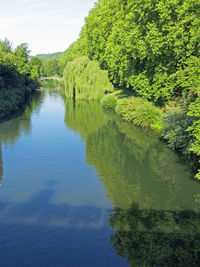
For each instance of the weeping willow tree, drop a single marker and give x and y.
(84, 79)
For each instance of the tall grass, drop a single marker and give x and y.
(147, 115)
(109, 101)
(135, 110)
(84, 79)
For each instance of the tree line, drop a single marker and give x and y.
(17, 79)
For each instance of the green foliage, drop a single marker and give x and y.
(5, 46)
(109, 101)
(16, 82)
(75, 50)
(45, 65)
(21, 55)
(126, 106)
(36, 64)
(151, 46)
(50, 68)
(147, 115)
(194, 110)
(140, 112)
(84, 80)
(176, 123)
(45, 57)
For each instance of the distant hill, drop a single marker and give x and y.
(45, 57)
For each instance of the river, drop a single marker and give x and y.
(81, 187)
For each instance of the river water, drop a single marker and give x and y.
(81, 187)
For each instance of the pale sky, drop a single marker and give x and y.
(46, 25)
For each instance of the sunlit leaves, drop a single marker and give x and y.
(84, 79)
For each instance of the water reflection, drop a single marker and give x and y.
(12, 129)
(39, 210)
(18, 124)
(156, 238)
(1, 166)
(136, 167)
(133, 164)
(53, 206)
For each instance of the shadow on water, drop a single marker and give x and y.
(162, 227)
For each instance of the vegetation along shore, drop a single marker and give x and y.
(140, 58)
(150, 48)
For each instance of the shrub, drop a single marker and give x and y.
(147, 115)
(176, 123)
(125, 107)
(140, 112)
(109, 101)
(194, 110)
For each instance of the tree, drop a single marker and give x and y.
(36, 64)
(21, 54)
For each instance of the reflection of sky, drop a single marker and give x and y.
(53, 210)
(51, 156)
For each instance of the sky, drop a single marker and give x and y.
(46, 25)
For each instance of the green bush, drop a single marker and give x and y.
(140, 112)
(176, 123)
(125, 107)
(147, 115)
(16, 82)
(109, 101)
(194, 129)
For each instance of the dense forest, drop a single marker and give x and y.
(151, 48)
(17, 79)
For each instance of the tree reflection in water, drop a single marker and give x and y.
(162, 227)
(18, 124)
(156, 238)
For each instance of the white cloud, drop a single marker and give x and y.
(47, 26)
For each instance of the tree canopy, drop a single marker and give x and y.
(16, 79)
(151, 46)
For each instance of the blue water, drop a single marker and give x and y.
(67, 170)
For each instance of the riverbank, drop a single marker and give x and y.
(12, 100)
(17, 78)
(173, 121)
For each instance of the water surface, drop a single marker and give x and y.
(80, 187)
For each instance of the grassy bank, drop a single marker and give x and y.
(134, 109)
